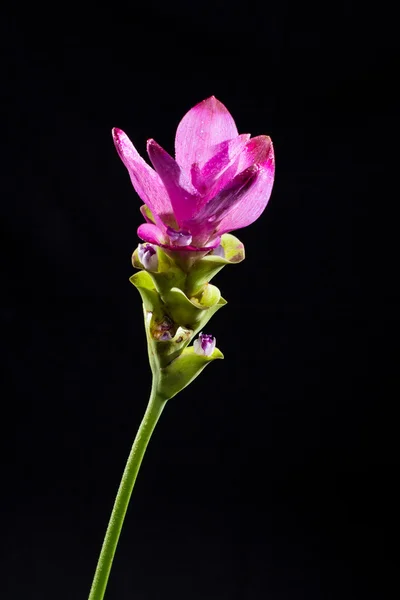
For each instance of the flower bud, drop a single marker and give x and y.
(204, 345)
(218, 251)
(179, 238)
(148, 257)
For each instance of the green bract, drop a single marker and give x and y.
(177, 305)
(208, 266)
(181, 371)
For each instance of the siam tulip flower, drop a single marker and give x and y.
(218, 182)
(204, 345)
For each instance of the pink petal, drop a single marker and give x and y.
(227, 146)
(220, 168)
(254, 200)
(181, 192)
(145, 180)
(151, 233)
(211, 213)
(205, 125)
(257, 150)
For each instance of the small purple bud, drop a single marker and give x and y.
(218, 251)
(179, 238)
(165, 325)
(204, 345)
(165, 337)
(148, 257)
(164, 330)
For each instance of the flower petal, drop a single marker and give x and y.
(145, 180)
(254, 200)
(210, 214)
(181, 192)
(257, 151)
(206, 124)
(204, 247)
(152, 234)
(220, 167)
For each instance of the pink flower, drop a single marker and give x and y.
(219, 180)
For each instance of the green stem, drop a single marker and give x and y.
(151, 416)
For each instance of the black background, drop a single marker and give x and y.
(273, 475)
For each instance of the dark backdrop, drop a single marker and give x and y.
(273, 475)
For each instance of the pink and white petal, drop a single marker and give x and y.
(145, 180)
(181, 192)
(151, 233)
(206, 124)
(252, 203)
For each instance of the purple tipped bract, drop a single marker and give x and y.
(219, 180)
(204, 345)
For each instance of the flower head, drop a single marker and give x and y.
(204, 345)
(219, 180)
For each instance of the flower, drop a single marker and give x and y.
(204, 345)
(148, 257)
(219, 180)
